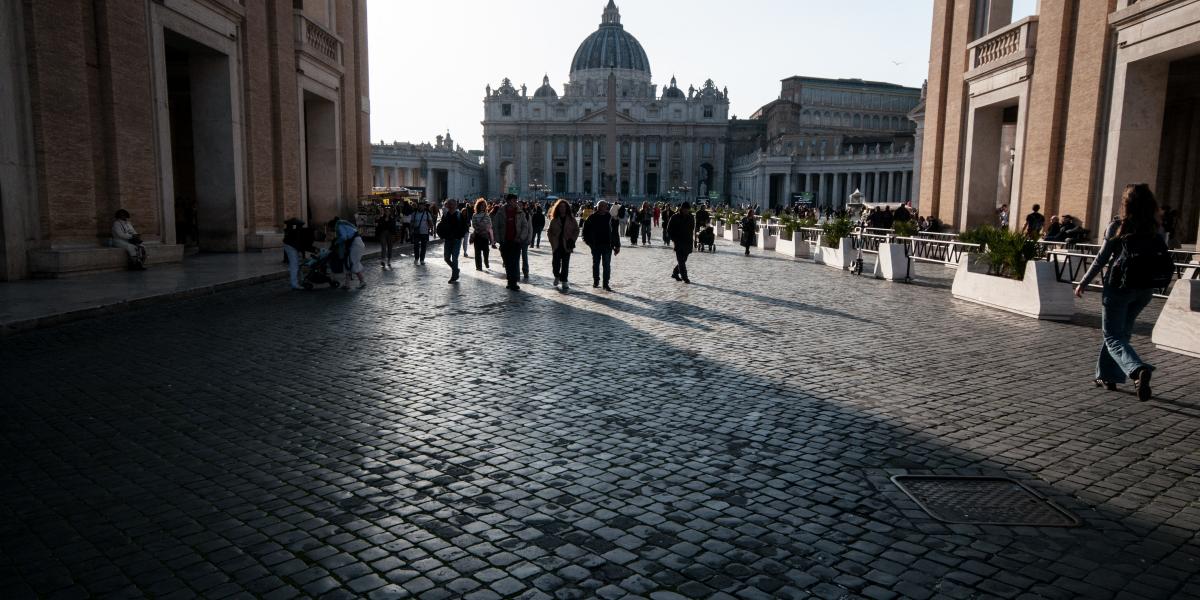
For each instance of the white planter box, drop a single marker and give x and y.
(719, 230)
(1178, 325)
(765, 241)
(733, 234)
(839, 258)
(793, 248)
(1038, 295)
(892, 265)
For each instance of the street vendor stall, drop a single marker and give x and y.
(370, 207)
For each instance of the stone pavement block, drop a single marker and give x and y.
(733, 438)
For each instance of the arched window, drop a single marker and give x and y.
(858, 121)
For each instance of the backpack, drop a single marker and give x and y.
(1142, 263)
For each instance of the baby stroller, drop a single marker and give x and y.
(706, 239)
(315, 271)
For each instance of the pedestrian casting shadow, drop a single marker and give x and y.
(555, 434)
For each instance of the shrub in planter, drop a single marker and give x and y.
(1006, 252)
(905, 228)
(834, 231)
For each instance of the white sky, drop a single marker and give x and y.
(430, 59)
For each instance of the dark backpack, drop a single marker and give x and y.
(1143, 262)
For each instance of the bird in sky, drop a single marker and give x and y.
(897, 63)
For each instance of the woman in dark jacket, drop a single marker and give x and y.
(749, 227)
(385, 232)
(1123, 298)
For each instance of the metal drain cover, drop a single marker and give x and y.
(982, 501)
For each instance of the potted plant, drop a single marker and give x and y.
(790, 242)
(836, 249)
(1004, 275)
(893, 263)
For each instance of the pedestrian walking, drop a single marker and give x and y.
(537, 220)
(1137, 262)
(749, 227)
(512, 230)
(481, 224)
(422, 226)
(466, 214)
(602, 233)
(527, 211)
(645, 217)
(682, 231)
(563, 233)
(657, 214)
(452, 229)
(385, 231)
(666, 219)
(1034, 222)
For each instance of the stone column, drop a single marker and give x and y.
(595, 166)
(633, 167)
(573, 184)
(787, 189)
(548, 171)
(808, 182)
(523, 171)
(579, 164)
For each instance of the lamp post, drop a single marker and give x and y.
(537, 187)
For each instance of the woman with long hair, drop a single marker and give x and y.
(1128, 240)
(481, 223)
(562, 235)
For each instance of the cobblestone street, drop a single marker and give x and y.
(733, 438)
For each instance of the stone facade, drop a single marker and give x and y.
(442, 170)
(1062, 109)
(829, 137)
(211, 121)
(668, 142)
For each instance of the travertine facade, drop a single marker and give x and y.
(1062, 108)
(442, 170)
(211, 121)
(666, 141)
(829, 137)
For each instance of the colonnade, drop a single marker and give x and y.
(396, 176)
(830, 187)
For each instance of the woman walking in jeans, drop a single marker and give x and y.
(481, 222)
(1120, 303)
(562, 235)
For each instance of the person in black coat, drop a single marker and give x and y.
(538, 220)
(602, 233)
(681, 229)
(452, 228)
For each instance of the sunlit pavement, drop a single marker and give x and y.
(730, 438)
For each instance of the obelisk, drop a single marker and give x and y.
(612, 163)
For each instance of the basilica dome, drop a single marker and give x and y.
(610, 47)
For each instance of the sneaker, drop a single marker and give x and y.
(686, 280)
(555, 282)
(596, 283)
(526, 279)
(565, 287)
(675, 276)
(606, 288)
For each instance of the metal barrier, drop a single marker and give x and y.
(1073, 265)
(944, 252)
(937, 236)
(868, 243)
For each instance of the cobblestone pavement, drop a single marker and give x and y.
(730, 439)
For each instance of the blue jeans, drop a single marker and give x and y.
(605, 257)
(1120, 309)
(450, 250)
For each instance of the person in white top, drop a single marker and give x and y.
(125, 237)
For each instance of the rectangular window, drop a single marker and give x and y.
(537, 113)
(626, 111)
(708, 112)
(678, 114)
(706, 149)
(560, 148)
(560, 112)
(506, 110)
